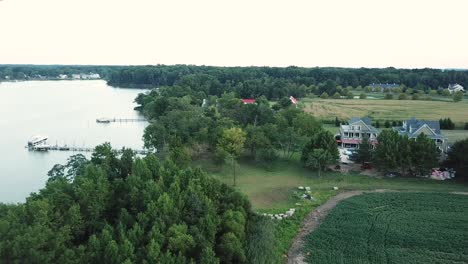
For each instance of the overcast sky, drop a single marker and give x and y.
(357, 33)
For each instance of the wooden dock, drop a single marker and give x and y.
(120, 120)
(75, 149)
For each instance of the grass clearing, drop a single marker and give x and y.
(455, 135)
(273, 188)
(387, 109)
(393, 228)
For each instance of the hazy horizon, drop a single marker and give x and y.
(231, 66)
(336, 33)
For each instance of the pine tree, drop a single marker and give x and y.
(365, 151)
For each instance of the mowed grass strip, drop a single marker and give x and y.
(273, 188)
(393, 228)
(455, 135)
(387, 109)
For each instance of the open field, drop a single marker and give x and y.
(393, 228)
(387, 109)
(273, 188)
(455, 135)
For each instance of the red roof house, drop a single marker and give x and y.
(248, 101)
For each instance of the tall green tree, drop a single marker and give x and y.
(425, 155)
(458, 159)
(320, 151)
(365, 151)
(386, 155)
(231, 145)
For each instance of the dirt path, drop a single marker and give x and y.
(313, 220)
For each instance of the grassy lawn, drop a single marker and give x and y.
(393, 228)
(455, 135)
(387, 109)
(273, 188)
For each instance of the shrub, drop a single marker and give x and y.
(324, 95)
(336, 96)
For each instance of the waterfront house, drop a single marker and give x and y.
(414, 127)
(351, 135)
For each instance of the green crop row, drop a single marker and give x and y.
(393, 228)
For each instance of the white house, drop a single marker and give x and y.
(453, 88)
(351, 135)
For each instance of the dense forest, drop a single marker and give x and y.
(272, 82)
(126, 209)
(268, 79)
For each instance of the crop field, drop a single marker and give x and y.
(393, 228)
(387, 109)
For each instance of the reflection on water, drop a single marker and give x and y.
(66, 112)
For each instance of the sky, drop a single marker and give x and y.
(309, 33)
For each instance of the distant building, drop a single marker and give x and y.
(351, 135)
(84, 76)
(90, 76)
(62, 76)
(248, 101)
(414, 127)
(383, 86)
(453, 88)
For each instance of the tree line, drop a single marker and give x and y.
(412, 157)
(164, 75)
(126, 209)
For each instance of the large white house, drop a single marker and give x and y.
(351, 135)
(453, 88)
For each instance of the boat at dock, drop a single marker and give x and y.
(103, 120)
(37, 140)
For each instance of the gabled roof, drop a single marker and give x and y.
(366, 120)
(248, 101)
(455, 86)
(412, 126)
(416, 124)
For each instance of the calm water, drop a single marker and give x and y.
(66, 112)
